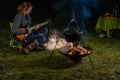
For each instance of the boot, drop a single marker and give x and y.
(31, 46)
(26, 50)
(40, 48)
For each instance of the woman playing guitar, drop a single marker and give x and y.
(21, 20)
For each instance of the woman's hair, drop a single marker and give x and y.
(23, 7)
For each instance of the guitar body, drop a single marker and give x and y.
(32, 28)
(20, 36)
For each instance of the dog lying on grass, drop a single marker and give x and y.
(54, 41)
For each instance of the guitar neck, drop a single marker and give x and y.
(40, 25)
(22, 36)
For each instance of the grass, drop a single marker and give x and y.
(16, 66)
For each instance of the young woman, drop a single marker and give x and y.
(34, 36)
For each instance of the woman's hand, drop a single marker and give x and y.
(37, 27)
(29, 31)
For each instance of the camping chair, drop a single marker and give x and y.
(14, 43)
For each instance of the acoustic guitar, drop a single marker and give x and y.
(32, 28)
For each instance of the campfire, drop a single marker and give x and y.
(73, 35)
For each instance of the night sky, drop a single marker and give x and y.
(10, 6)
(44, 7)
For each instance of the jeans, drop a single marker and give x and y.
(36, 35)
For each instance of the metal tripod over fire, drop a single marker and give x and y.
(75, 28)
(78, 31)
(73, 20)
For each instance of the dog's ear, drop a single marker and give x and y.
(51, 31)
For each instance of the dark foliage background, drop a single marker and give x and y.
(44, 6)
(44, 9)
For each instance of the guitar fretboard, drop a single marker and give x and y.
(41, 24)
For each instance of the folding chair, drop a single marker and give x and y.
(14, 43)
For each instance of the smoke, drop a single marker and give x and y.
(82, 9)
(58, 4)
